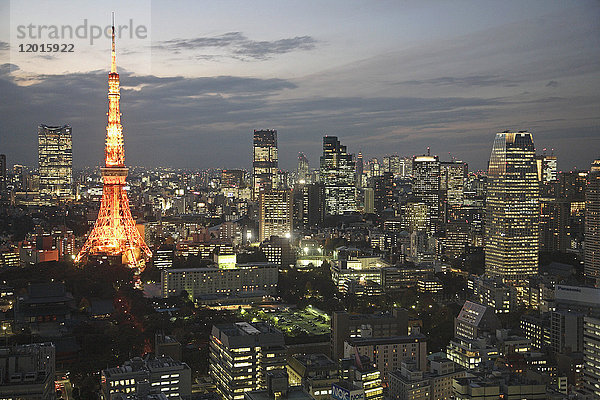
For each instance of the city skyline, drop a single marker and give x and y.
(402, 80)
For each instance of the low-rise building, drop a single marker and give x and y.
(345, 326)
(243, 279)
(429, 285)
(359, 375)
(315, 373)
(27, 371)
(436, 384)
(388, 353)
(45, 309)
(162, 374)
(497, 385)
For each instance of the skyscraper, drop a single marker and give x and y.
(547, 168)
(308, 205)
(115, 233)
(2, 172)
(383, 191)
(592, 225)
(265, 161)
(426, 187)
(512, 232)
(359, 170)
(453, 177)
(303, 172)
(338, 176)
(274, 213)
(55, 155)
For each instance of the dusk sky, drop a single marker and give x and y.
(384, 76)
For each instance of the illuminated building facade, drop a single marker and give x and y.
(591, 355)
(359, 170)
(512, 231)
(2, 172)
(275, 214)
(265, 161)
(389, 352)
(232, 178)
(303, 169)
(426, 187)
(547, 168)
(152, 375)
(241, 355)
(239, 280)
(338, 175)
(452, 185)
(55, 155)
(592, 225)
(115, 233)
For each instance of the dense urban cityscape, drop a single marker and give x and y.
(351, 277)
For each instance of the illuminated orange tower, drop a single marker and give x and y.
(114, 233)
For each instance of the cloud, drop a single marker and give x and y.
(7, 68)
(4, 46)
(467, 81)
(237, 45)
(552, 84)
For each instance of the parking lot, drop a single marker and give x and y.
(291, 321)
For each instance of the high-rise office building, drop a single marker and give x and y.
(309, 209)
(405, 167)
(2, 172)
(303, 171)
(232, 178)
(453, 178)
(426, 187)
(359, 169)
(512, 231)
(591, 356)
(55, 154)
(275, 213)
(392, 164)
(163, 257)
(547, 168)
(265, 161)
(592, 225)
(241, 355)
(383, 191)
(338, 175)
(570, 210)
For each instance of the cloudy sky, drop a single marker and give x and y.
(384, 76)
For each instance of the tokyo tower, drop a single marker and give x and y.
(114, 233)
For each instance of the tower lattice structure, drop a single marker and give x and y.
(115, 233)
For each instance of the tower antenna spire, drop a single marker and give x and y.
(113, 64)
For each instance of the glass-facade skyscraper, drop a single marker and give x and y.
(265, 161)
(303, 168)
(275, 213)
(55, 151)
(512, 209)
(338, 175)
(426, 187)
